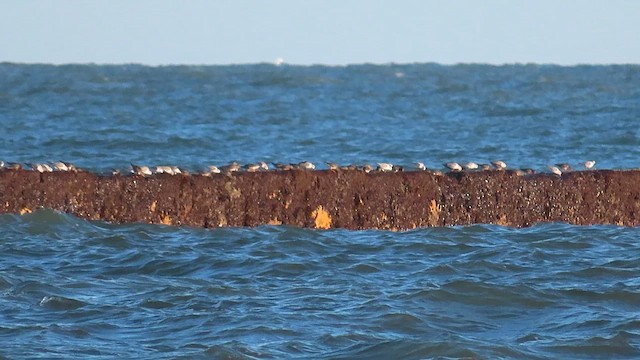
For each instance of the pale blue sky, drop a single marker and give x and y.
(320, 32)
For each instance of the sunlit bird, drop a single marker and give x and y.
(589, 164)
(499, 164)
(471, 166)
(453, 166)
(555, 170)
(385, 167)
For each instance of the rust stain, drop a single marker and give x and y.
(166, 219)
(434, 213)
(502, 220)
(234, 192)
(321, 217)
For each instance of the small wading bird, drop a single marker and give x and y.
(60, 166)
(471, 166)
(232, 167)
(564, 167)
(306, 165)
(589, 164)
(140, 170)
(499, 164)
(555, 170)
(420, 166)
(385, 167)
(367, 168)
(64, 166)
(283, 167)
(252, 167)
(332, 166)
(40, 167)
(453, 166)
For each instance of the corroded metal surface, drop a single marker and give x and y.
(332, 199)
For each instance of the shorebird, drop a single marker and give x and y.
(564, 167)
(306, 165)
(13, 166)
(332, 166)
(499, 164)
(367, 168)
(1, 164)
(349, 167)
(486, 167)
(163, 169)
(589, 164)
(420, 166)
(140, 170)
(471, 166)
(263, 165)
(59, 166)
(283, 167)
(70, 166)
(232, 167)
(40, 167)
(398, 168)
(385, 167)
(213, 169)
(64, 166)
(555, 170)
(252, 167)
(453, 166)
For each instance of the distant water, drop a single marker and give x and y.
(71, 288)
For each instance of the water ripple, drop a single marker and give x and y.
(75, 288)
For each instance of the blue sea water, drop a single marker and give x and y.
(72, 288)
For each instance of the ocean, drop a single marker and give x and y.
(71, 288)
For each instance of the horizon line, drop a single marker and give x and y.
(277, 63)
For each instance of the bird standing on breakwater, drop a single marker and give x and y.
(499, 164)
(555, 170)
(140, 170)
(385, 167)
(471, 166)
(306, 165)
(453, 166)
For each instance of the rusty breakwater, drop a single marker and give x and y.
(332, 199)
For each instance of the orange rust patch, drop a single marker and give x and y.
(502, 220)
(166, 219)
(321, 218)
(434, 213)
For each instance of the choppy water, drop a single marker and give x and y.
(74, 288)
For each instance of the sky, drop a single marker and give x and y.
(331, 32)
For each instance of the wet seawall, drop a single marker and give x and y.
(332, 199)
